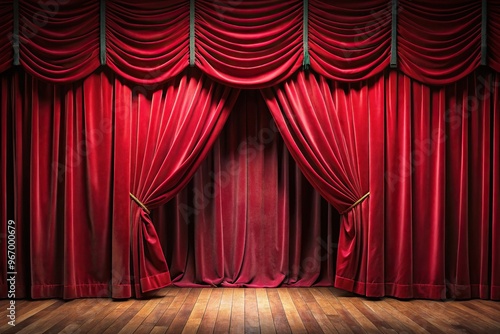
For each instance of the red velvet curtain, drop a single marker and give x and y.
(493, 33)
(68, 155)
(439, 42)
(326, 128)
(5, 38)
(147, 42)
(249, 44)
(349, 40)
(248, 200)
(441, 188)
(69, 163)
(56, 184)
(434, 186)
(59, 41)
(171, 131)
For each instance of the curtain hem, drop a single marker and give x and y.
(419, 291)
(155, 282)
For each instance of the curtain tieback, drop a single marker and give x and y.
(139, 203)
(356, 203)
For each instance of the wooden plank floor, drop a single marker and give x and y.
(281, 310)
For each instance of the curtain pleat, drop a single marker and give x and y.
(326, 131)
(440, 191)
(6, 26)
(493, 31)
(59, 42)
(171, 131)
(439, 43)
(249, 44)
(147, 42)
(349, 41)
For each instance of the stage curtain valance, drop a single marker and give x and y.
(5, 38)
(147, 42)
(439, 43)
(59, 42)
(494, 35)
(347, 41)
(251, 44)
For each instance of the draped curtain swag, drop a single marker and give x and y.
(409, 156)
(251, 44)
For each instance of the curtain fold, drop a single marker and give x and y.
(410, 159)
(59, 41)
(349, 41)
(432, 232)
(249, 44)
(57, 144)
(171, 130)
(441, 188)
(147, 43)
(326, 130)
(429, 156)
(439, 43)
(493, 33)
(248, 200)
(6, 24)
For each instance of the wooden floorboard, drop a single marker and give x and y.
(248, 310)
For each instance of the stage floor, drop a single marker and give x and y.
(281, 310)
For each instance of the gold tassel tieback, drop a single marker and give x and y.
(357, 202)
(139, 203)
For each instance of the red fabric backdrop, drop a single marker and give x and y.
(441, 187)
(494, 32)
(147, 42)
(251, 44)
(423, 139)
(350, 42)
(433, 36)
(58, 42)
(5, 38)
(249, 200)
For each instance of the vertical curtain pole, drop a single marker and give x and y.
(484, 32)
(15, 32)
(305, 35)
(191, 33)
(102, 35)
(394, 35)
